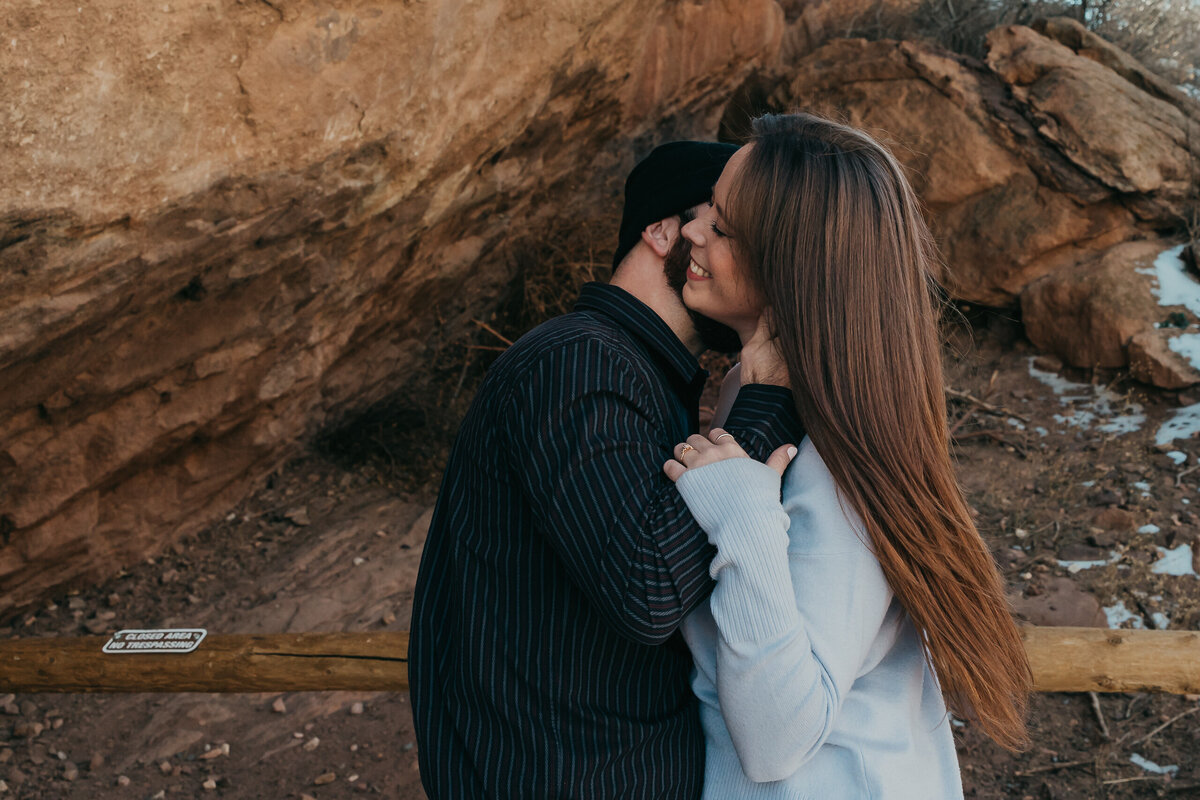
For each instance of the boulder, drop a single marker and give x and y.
(1086, 314)
(1153, 360)
(1134, 141)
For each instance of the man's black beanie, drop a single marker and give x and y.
(675, 176)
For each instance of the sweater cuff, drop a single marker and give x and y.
(737, 503)
(764, 418)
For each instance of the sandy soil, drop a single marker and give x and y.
(333, 542)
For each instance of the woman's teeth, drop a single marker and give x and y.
(695, 268)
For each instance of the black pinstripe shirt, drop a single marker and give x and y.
(544, 660)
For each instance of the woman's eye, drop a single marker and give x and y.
(716, 230)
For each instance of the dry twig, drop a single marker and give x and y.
(1166, 724)
(1052, 767)
(1099, 715)
(493, 332)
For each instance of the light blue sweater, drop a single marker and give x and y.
(811, 679)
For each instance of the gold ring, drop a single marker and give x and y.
(722, 436)
(684, 452)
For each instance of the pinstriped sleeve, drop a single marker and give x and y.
(763, 418)
(591, 439)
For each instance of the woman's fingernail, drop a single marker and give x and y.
(792, 452)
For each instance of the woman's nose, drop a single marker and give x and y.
(693, 231)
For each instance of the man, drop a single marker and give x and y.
(544, 660)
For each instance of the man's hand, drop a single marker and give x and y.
(719, 445)
(761, 360)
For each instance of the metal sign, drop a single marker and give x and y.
(161, 640)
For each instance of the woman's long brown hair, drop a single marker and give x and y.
(833, 238)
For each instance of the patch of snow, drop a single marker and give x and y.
(1161, 621)
(1076, 566)
(1116, 614)
(1177, 456)
(1088, 484)
(1188, 346)
(1041, 431)
(1016, 423)
(1185, 501)
(1097, 405)
(1177, 561)
(1149, 529)
(1175, 286)
(1182, 424)
(1150, 766)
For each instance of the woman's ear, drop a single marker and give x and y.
(661, 235)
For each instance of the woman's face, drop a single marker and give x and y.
(717, 285)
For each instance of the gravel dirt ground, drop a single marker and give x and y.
(1081, 507)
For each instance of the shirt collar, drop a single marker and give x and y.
(636, 317)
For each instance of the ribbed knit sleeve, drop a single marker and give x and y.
(736, 501)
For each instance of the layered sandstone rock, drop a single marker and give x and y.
(223, 225)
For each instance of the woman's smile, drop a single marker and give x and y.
(697, 273)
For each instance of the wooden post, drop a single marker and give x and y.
(1100, 660)
(290, 662)
(1063, 660)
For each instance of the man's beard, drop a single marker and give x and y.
(713, 334)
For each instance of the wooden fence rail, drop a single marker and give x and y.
(1063, 660)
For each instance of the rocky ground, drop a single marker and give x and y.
(1091, 521)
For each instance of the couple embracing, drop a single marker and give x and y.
(612, 605)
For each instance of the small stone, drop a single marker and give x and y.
(209, 785)
(6, 755)
(168, 576)
(389, 618)
(359, 561)
(3, 787)
(122, 780)
(16, 776)
(297, 735)
(7, 698)
(353, 749)
(352, 778)
(278, 706)
(70, 771)
(29, 709)
(1048, 363)
(165, 767)
(304, 796)
(95, 626)
(58, 723)
(27, 729)
(113, 599)
(61, 755)
(324, 778)
(356, 708)
(76, 603)
(297, 516)
(161, 794)
(37, 754)
(312, 744)
(11, 709)
(1115, 519)
(96, 762)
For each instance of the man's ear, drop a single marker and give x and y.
(661, 235)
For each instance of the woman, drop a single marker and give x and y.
(846, 619)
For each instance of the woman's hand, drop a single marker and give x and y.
(719, 445)
(760, 357)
